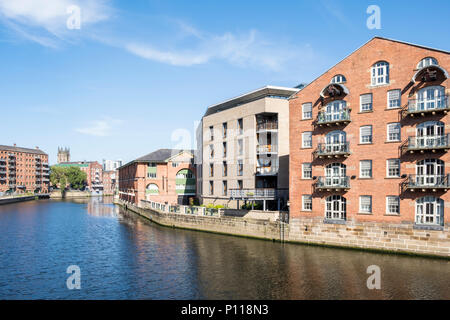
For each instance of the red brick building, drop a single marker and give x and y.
(369, 138)
(166, 176)
(94, 173)
(110, 182)
(23, 170)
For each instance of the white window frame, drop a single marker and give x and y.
(392, 136)
(361, 135)
(367, 208)
(380, 73)
(432, 208)
(388, 205)
(304, 135)
(361, 169)
(365, 107)
(304, 166)
(336, 208)
(388, 168)
(339, 78)
(398, 101)
(426, 62)
(307, 114)
(306, 199)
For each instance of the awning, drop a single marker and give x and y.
(427, 70)
(334, 89)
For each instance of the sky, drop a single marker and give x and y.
(117, 79)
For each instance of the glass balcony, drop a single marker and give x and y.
(263, 149)
(333, 183)
(432, 105)
(428, 142)
(258, 193)
(426, 182)
(333, 150)
(329, 118)
(267, 170)
(267, 126)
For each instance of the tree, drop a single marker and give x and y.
(68, 176)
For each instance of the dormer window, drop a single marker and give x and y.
(429, 61)
(380, 73)
(338, 79)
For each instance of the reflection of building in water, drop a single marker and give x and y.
(98, 207)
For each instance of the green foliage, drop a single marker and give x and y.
(248, 206)
(63, 177)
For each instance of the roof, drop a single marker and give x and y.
(268, 91)
(20, 149)
(72, 164)
(161, 155)
(380, 38)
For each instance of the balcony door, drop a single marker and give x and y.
(335, 141)
(335, 174)
(430, 211)
(430, 134)
(430, 172)
(336, 208)
(334, 111)
(430, 98)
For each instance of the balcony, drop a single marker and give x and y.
(333, 183)
(425, 183)
(267, 149)
(426, 106)
(267, 126)
(267, 170)
(427, 143)
(258, 194)
(331, 118)
(335, 150)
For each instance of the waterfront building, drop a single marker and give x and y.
(94, 173)
(23, 170)
(111, 165)
(165, 175)
(369, 138)
(63, 155)
(243, 150)
(110, 184)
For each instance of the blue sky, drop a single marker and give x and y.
(137, 75)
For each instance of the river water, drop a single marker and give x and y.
(122, 256)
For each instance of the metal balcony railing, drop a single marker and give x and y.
(270, 148)
(331, 117)
(429, 142)
(267, 170)
(258, 193)
(269, 125)
(333, 182)
(414, 181)
(334, 149)
(439, 103)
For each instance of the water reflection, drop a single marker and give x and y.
(126, 257)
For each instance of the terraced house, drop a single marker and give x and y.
(165, 176)
(375, 146)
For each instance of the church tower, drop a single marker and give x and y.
(63, 155)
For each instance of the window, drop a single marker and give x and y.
(151, 175)
(211, 132)
(430, 98)
(336, 208)
(429, 61)
(365, 204)
(430, 211)
(224, 188)
(394, 99)
(307, 171)
(224, 149)
(430, 172)
(365, 102)
(175, 164)
(336, 175)
(380, 73)
(240, 184)
(185, 174)
(338, 79)
(240, 147)
(224, 130)
(225, 169)
(393, 205)
(334, 111)
(211, 169)
(393, 168)
(429, 134)
(211, 151)
(211, 188)
(240, 168)
(365, 167)
(152, 189)
(393, 132)
(240, 126)
(307, 139)
(307, 111)
(365, 134)
(307, 202)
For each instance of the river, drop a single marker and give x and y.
(123, 256)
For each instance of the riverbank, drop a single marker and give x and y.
(56, 194)
(375, 237)
(15, 199)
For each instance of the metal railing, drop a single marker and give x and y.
(269, 125)
(269, 148)
(258, 193)
(324, 149)
(429, 142)
(267, 170)
(427, 181)
(331, 117)
(424, 105)
(333, 182)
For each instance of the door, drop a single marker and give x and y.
(430, 98)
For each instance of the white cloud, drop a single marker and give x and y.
(100, 128)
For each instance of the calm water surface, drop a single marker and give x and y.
(122, 256)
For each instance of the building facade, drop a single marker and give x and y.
(243, 150)
(370, 137)
(111, 165)
(23, 170)
(94, 174)
(165, 176)
(110, 182)
(63, 155)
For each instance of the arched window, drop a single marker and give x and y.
(336, 208)
(335, 174)
(430, 172)
(334, 111)
(429, 61)
(152, 189)
(380, 73)
(338, 79)
(430, 134)
(335, 141)
(185, 174)
(430, 98)
(430, 211)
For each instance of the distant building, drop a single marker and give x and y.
(63, 155)
(111, 165)
(110, 179)
(23, 170)
(166, 176)
(94, 172)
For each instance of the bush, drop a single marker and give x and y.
(248, 206)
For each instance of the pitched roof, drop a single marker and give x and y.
(161, 155)
(20, 149)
